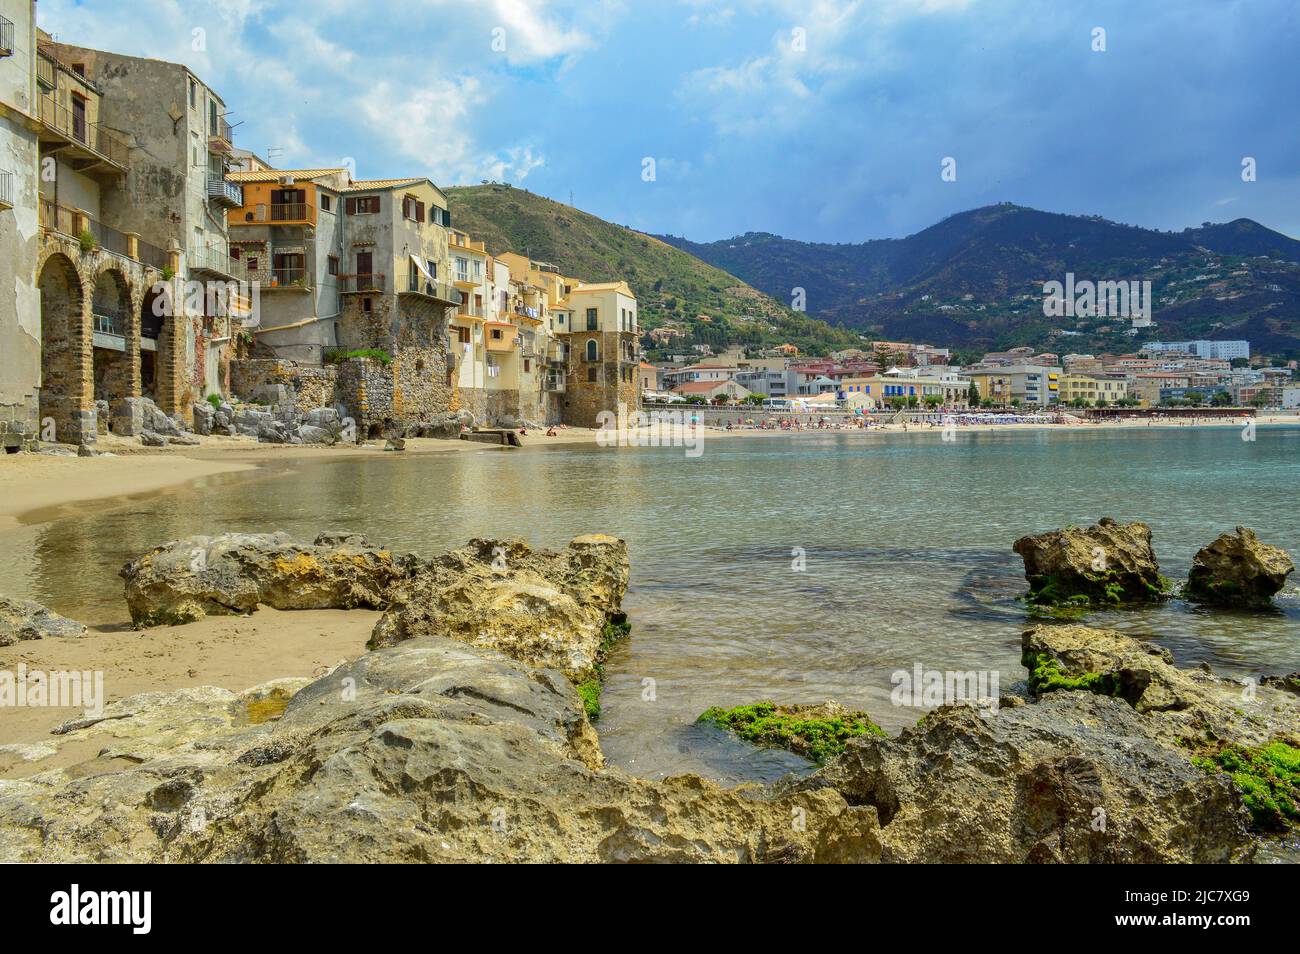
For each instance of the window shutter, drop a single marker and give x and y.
(351, 205)
(419, 211)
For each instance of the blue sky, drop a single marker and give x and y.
(823, 120)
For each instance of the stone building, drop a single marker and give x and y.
(288, 238)
(79, 329)
(175, 144)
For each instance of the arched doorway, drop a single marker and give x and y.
(152, 312)
(65, 394)
(110, 310)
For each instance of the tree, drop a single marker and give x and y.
(973, 395)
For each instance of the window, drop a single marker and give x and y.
(235, 252)
(366, 304)
(324, 202)
(333, 265)
(362, 205)
(365, 265)
(591, 374)
(194, 93)
(592, 323)
(412, 208)
(463, 334)
(527, 366)
(212, 117)
(496, 334)
(591, 351)
(252, 264)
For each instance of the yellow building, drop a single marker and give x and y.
(1092, 388)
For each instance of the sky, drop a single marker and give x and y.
(819, 120)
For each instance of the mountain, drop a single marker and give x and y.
(671, 285)
(975, 280)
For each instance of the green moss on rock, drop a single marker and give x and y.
(1046, 675)
(816, 732)
(1268, 778)
(590, 688)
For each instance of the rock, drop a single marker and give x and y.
(272, 432)
(395, 444)
(309, 434)
(204, 417)
(184, 440)
(151, 439)
(431, 751)
(541, 608)
(1190, 709)
(232, 572)
(24, 619)
(1237, 570)
(85, 450)
(153, 419)
(1075, 777)
(1107, 563)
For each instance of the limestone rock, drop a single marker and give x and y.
(231, 573)
(1075, 777)
(541, 608)
(395, 444)
(1108, 562)
(1192, 709)
(151, 439)
(24, 619)
(1238, 570)
(431, 751)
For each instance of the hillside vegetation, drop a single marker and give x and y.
(976, 279)
(671, 285)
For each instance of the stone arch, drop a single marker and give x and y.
(158, 337)
(66, 394)
(110, 307)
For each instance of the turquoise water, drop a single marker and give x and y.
(906, 540)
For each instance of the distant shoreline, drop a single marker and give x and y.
(38, 488)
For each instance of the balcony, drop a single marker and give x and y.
(45, 71)
(7, 190)
(290, 279)
(554, 382)
(466, 310)
(69, 222)
(221, 138)
(438, 290)
(84, 145)
(213, 260)
(366, 282)
(228, 194)
(288, 212)
(6, 37)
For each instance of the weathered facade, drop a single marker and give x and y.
(20, 236)
(173, 197)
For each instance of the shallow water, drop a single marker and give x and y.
(906, 541)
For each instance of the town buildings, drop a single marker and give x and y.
(145, 257)
(110, 162)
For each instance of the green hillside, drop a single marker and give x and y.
(671, 286)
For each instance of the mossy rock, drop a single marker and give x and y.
(1268, 778)
(590, 688)
(815, 732)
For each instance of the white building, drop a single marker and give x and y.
(1223, 350)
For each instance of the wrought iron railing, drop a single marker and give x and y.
(45, 71)
(6, 37)
(368, 281)
(288, 211)
(7, 188)
(75, 126)
(289, 277)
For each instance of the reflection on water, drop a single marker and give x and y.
(907, 543)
